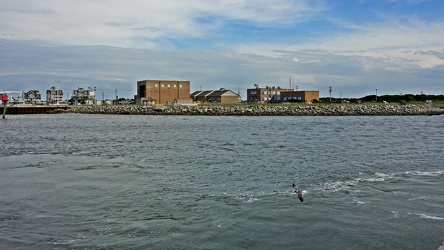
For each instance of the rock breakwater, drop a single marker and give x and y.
(324, 110)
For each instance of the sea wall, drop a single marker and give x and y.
(324, 110)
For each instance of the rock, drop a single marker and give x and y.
(327, 110)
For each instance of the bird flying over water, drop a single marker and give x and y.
(300, 192)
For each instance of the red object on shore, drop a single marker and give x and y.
(5, 98)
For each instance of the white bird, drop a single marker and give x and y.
(300, 192)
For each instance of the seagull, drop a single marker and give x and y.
(300, 192)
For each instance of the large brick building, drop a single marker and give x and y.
(162, 91)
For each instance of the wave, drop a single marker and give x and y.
(336, 186)
(348, 184)
(420, 173)
(430, 217)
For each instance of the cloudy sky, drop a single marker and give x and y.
(354, 46)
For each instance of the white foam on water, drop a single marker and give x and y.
(358, 202)
(395, 214)
(377, 177)
(421, 173)
(339, 185)
(383, 175)
(346, 185)
(251, 200)
(418, 198)
(430, 217)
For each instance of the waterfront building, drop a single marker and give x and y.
(162, 92)
(54, 96)
(223, 96)
(85, 96)
(33, 97)
(303, 96)
(278, 94)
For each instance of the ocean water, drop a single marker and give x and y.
(74, 181)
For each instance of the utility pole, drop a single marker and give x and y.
(117, 97)
(330, 93)
(376, 95)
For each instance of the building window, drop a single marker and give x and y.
(180, 85)
(163, 85)
(169, 85)
(156, 85)
(174, 85)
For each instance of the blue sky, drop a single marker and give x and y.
(354, 46)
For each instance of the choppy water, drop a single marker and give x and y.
(188, 182)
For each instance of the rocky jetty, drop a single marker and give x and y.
(264, 110)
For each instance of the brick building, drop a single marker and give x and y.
(306, 96)
(265, 94)
(162, 91)
(278, 94)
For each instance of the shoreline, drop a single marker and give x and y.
(324, 110)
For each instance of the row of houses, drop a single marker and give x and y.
(53, 96)
(34, 97)
(170, 92)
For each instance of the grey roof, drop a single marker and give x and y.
(222, 92)
(213, 93)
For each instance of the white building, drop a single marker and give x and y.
(54, 96)
(87, 96)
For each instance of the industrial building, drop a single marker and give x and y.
(223, 96)
(305, 96)
(278, 94)
(162, 92)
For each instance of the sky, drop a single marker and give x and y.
(356, 47)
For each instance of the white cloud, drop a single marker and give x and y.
(392, 46)
(131, 23)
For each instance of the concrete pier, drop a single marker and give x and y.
(20, 110)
